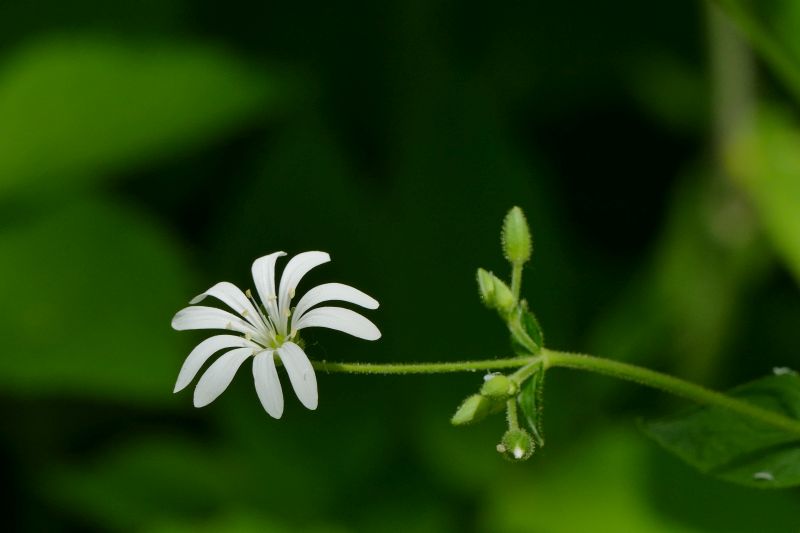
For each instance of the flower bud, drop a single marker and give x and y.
(494, 293)
(517, 445)
(473, 409)
(503, 298)
(516, 237)
(486, 287)
(498, 387)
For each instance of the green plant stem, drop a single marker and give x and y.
(420, 368)
(516, 280)
(511, 413)
(670, 384)
(555, 359)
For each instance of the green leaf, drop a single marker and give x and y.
(89, 291)
(528, 340)
(738, 449)
(767, 165)
(530, 400)
(76, 109)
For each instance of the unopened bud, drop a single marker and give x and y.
(486, 287)
(473, 409)
(494, 293)
(516, 237)
(503, 298)
(498, 388)
(517, 445)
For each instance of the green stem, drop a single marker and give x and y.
(670, 384)
(552, 359)
(420, 368)
(511, 413)
(516, 280)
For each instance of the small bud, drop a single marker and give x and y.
(473, 409)
(486, 287)
(517, 445)
(516, 237)
(494, 293)
(503, 298)
(498, 388)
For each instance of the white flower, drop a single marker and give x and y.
(268, 331)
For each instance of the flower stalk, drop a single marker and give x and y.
(598, 365)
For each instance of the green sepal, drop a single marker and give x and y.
(531, 404)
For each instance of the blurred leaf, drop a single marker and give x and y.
(764, 40)
(604, 479)
(74, 109)
(767, 164)
(610, 477)
(684, 304)
(672, 91)
(734, 448)
(237, 522)
(530, 399)
(89, 292)
(145, 482)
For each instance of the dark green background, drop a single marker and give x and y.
(150, 149)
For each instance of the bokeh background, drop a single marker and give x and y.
(149, 149)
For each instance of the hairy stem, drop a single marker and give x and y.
(516, 280)
(552, 359)
(420, 368)
(670, 384)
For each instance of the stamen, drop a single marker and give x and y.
(291, 293)
(264, 317)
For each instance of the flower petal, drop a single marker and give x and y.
(201, 317)
(342, 319)
(268, 386)
(297, 267)
(233, 297)
(219, 375)
(203, 351)
(332, 291)
(264, 277)
(301, 373)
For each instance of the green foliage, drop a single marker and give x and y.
(616, 479)
(526, 333)
(735, 448)
(79, 109)
(91, 284)
(531, 404)
(767, 164)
